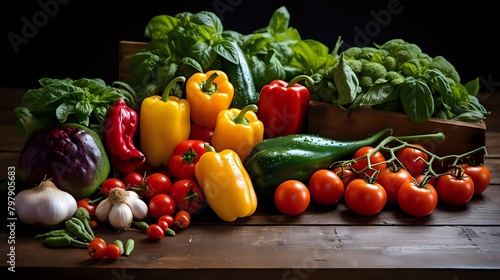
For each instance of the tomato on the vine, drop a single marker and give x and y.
(113, 251)
(325, 187)
(417, 199)
(377, 162)
(413, 159)
(133, 179)
(110, 184)
(455, 187)
(182, 219)
(364, 197)
(292, 197)
(345, 173)
(155, 232)
(188, 196)
(392, 179)
(184, 158)
(97, 248)
(156, 183)
(429, 179)
(161, 204)
(480, 175)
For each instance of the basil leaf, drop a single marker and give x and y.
(227, 50)
(203, 53)
(208, 19)
(346, 81)
(377, 94)
(159, 26)
(417, 100)
(472, 87)
(64, 110)
(279, 21)
(83, 111)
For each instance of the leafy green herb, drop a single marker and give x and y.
(84, 101)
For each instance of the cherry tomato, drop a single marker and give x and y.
(365, 198)
(154, 231)
(392, 179)
(156, 183)
(161, 204)
(455, 187)
(201, 133)
(168, 218)
(184, 157)
(325, 187)
(416, 199)
(292, 197)
(414, 160)
(87, 204)
(97, 248)
(377, 161)
(188, 196)
(480, 175)
(182, 219)
(113, 251)
(345, 173)
(163, 224)
(133, 179)
(110, 184)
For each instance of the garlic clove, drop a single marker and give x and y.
(120, 216)
(138, 206)
(102, 210)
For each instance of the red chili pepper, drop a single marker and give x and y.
(283, 106)
(121, 125)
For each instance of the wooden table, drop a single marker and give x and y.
(322, 243)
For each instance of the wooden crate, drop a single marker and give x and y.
(126, 48)
(331, 121)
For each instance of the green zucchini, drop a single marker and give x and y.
(241, 77)
(297, 157)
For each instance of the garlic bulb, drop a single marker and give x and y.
(121, 208)
(45, 204)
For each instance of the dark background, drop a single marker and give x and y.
(80, 38)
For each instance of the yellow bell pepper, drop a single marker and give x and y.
(238, 130)
(208, 94)
(226, 184)
(164, 122)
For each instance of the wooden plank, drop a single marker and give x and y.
(125, 49)
(289, 249)
(331, 121)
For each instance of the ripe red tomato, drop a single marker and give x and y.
(182, 219)
(345, 173)
(377, 162)
(168, 218)
(87, 204)
(417, 200)
(113, 251)
(391, 180)
(414, 160)
(161, 204)
(97, 248)
(325, 187)
(155, 232)
(184, 157)
(365, 198)
(133, 179)
(156, 183)
(455, 187)
(201, 133)
(292, 197)
(110, 184)
(163, 224)
(188, 196)
(480, 175)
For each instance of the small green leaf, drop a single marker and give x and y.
(346, 81)
(159, 26)
(280, 21)
(472, 87)
(64, 110)
(417, 100)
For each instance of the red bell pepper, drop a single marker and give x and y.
(283, 106)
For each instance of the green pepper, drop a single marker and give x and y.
(83, 215)
(55, 232)
(65, 241)
(76, 227)
(297, 157)
(129, 246)
(119, 243)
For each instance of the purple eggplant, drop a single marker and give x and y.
(72, 155)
